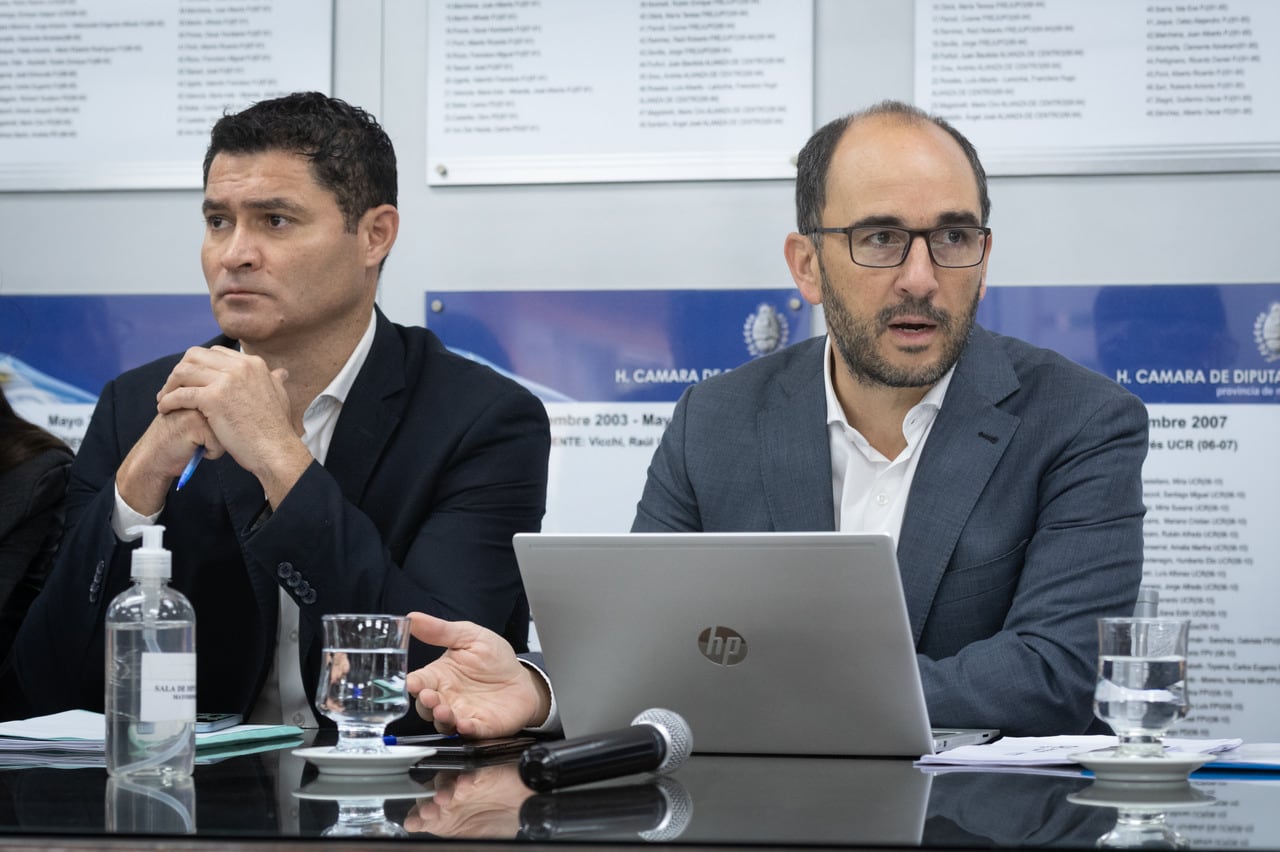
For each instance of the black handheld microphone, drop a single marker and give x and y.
(657, 741)
(656, 811)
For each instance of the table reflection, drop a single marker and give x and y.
(150, 805)
(362, 802)
(656, 810)
(1141, 811)
(969, 808)
(712, 799)
(475, 803)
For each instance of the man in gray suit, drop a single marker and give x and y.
(1009, 476)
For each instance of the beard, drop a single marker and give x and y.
(856, 338)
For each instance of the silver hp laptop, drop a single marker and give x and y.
(766, 643)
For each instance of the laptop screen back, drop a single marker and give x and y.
(766, 643)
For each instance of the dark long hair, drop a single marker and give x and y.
(21, 440)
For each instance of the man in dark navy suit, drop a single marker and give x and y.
(351, 464)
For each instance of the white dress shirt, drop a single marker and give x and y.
(869, 490)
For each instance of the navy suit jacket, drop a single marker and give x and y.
(435, 463)
(1022, 527)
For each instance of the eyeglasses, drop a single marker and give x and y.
(952, 247)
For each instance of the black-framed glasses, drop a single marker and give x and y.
(880, 247)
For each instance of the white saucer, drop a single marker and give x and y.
(1173, 767)
(1141, 796)
(348, 788)
(396, 760)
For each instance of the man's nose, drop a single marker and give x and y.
(240, 250)
(918, 275)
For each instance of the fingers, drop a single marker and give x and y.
(442, 716)
(441, 633)
(179, 399)
(166, 447)
(208, 377)
(422, 817)
(427, 701)
(200, 366)
(421, 680)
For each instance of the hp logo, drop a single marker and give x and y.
(722, 646)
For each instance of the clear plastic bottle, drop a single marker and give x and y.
(151, 670)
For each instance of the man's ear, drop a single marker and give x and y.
(379, 226)
(802, 260)
(986, 257)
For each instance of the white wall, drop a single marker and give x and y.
(1129, 229)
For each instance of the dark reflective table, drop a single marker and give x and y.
(275, 800)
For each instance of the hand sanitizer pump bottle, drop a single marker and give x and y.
(151, 670)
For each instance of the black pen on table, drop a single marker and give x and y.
(190, 468)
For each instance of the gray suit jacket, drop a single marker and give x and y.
(1023, 525)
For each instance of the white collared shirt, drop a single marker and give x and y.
(284, 696)
(870, 491)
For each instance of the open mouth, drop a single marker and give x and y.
(912, 327)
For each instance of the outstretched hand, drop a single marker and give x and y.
(477, 688)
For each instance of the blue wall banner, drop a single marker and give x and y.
(56, 352)
(617, 345)
(1166, 343)
(610, 365)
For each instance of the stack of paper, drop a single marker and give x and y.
(1042, 754)
(76, 738)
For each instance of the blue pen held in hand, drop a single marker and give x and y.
(190, 468)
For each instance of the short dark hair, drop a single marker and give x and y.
(814, 161)
(350, 154)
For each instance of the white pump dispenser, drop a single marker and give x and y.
(151, 561)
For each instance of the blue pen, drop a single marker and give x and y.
(421, 738)
(190, 468)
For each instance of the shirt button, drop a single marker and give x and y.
(882, 499)
(293, 636)
(297, 719)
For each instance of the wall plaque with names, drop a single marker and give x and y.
(1090, 86)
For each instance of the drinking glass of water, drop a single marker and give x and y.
(1142, 680)
(362, 679)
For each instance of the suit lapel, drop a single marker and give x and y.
(795, 457)
(964, 446)
(370, 414)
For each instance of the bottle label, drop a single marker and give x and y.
(168, 687)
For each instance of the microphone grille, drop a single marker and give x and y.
(674, 729)
(679, 812)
